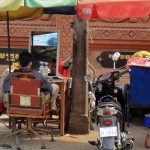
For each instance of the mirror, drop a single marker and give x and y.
(44, 47)
(115, 56)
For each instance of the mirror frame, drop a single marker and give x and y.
(58, 44)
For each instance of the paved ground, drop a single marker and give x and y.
(79, 142)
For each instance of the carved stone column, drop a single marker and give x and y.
(79, 122)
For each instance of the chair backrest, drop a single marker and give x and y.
(24, 87)
(25, 97)
(91, 71)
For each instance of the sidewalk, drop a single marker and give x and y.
(67, 142)
(31, 142)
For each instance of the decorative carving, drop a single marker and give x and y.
(116, 20)
(117, 34)
(66, 35)
(133, 20)
(145, 19)
(120, 29)
(21, 28)
(136, 20)
(45, 17)
(122, 20)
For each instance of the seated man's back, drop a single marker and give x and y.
(25, 60)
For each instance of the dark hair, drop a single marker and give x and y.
(25, 58)
(53, 60)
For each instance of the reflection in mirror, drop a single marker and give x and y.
(44, 47)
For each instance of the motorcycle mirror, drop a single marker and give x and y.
(88, 77)
(115, 56)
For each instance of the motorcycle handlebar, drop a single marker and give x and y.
(112, 76)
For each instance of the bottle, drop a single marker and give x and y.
(46, 68)
(41, 68)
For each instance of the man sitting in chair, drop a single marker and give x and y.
(25, 60)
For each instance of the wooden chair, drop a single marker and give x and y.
(26, 101)
(91, 71)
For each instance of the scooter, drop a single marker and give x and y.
(110, 112)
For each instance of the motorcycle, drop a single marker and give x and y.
(110, 113)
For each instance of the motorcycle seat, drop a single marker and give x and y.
(110, 104)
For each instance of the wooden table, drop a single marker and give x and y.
(62, 83)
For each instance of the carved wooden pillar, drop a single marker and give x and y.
(78, 121)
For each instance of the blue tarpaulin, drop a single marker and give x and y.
(140, 85)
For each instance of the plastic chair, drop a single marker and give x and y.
(25, 101)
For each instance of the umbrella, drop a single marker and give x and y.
(87, 9)
(21, 9)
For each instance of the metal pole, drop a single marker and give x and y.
(8, 35)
